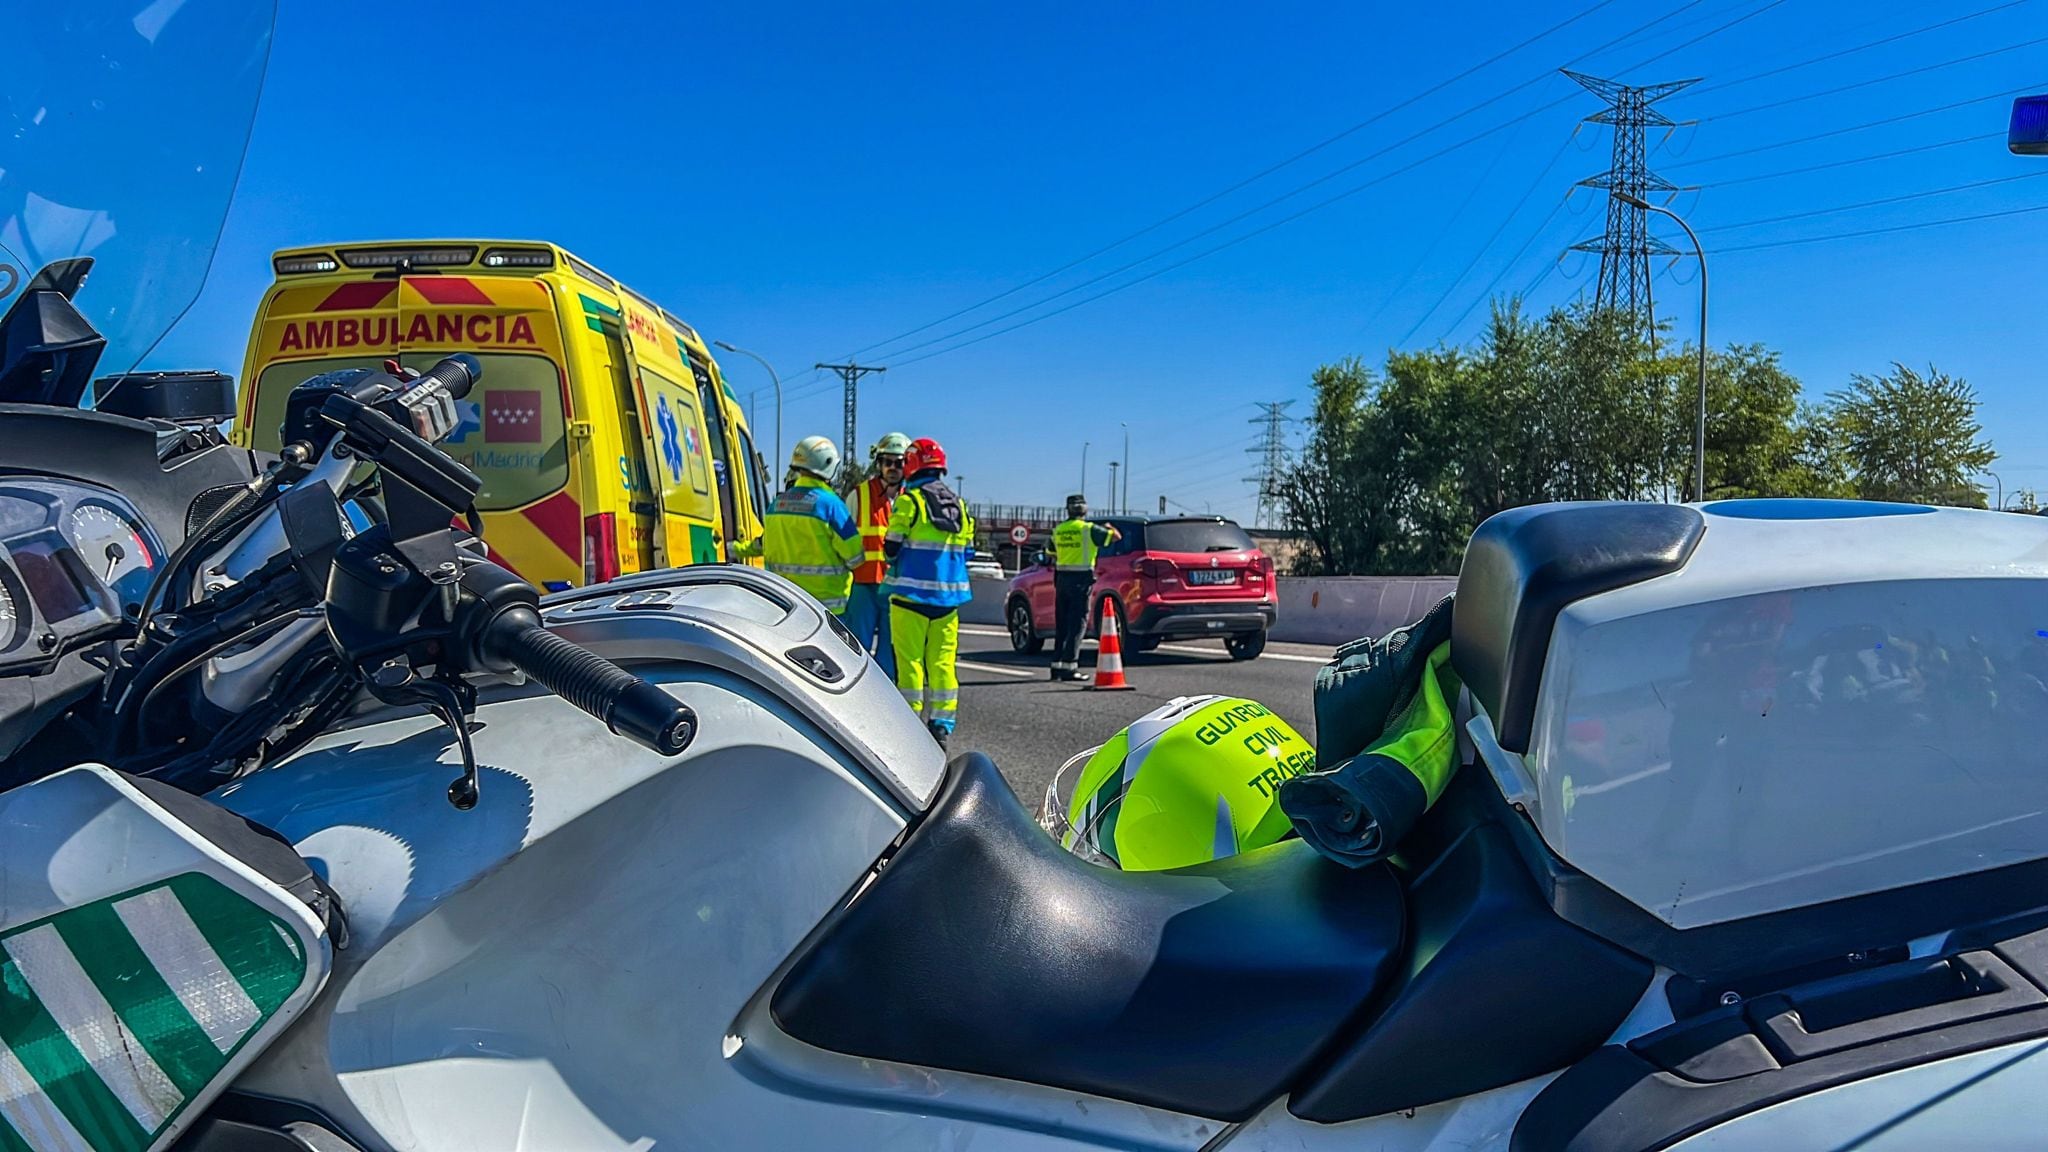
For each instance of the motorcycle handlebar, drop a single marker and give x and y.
(628, 705)
(456, 374)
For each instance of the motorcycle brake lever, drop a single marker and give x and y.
(396, 682)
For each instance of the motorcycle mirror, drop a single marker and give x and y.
(48, 349)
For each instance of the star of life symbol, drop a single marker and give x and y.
(469, 417)
(671, 441)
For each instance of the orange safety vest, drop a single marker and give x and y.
(871, 516)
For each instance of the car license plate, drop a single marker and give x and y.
(1213, 576)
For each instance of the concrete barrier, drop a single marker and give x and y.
(1339, 609)
(1313, 609)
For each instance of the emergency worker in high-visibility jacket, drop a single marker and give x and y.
(873, 502)
(930, 537)
(810, 537)
(1075, 542)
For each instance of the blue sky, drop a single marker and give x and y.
(810, 180)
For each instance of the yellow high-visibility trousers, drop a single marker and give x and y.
(927, 663)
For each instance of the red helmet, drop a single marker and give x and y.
(924, 453)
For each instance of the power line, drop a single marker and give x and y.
(1873, 80)
(1471, 194)
(1833, 132)
(1883, 231)
(1487, 292)
(1325, 178)
(1263, 173)
(1875, 203)
(1263, 229)
(1485, 247)
(1179, 470)
(1854, 160)
(1837, 55)
(1299, 214)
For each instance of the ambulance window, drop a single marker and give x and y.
(677, 439)
(755, 481)
(512, 432)
(274, 386)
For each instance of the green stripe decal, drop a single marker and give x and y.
(116, 1016)
(10, 1142)
(139, 996)
(703, 546)
(258, 949)
(599, 307)
(61, 1071)
(593, 323)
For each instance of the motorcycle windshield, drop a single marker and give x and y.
(126, 121)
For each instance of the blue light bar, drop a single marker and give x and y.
(2029, 133)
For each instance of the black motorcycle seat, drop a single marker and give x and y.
(985, 947)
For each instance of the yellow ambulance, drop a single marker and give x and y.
(605, 436)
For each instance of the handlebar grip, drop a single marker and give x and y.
(628, 705)
(457, 374)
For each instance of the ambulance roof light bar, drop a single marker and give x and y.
(2028, 135)
(518, 258)
(403, 257)
(300, 265)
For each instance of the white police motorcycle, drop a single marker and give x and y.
(326, 839)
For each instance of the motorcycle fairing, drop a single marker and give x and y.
(144, 961)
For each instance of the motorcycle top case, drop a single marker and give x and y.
(146, 957)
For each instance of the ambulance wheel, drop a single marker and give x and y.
(1246, 645)
(1024, 638)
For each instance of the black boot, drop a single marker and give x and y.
(939, 734)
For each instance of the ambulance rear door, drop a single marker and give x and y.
(306, 328)
(677, 460)
(640, 543)
(724, 460)
(514, 430)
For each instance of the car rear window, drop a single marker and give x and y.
(1196, 536)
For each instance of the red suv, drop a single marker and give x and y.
(1167, 577)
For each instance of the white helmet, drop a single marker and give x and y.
(816, 455)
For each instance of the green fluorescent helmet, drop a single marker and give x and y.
(1192, 780)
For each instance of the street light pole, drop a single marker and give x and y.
(2001, 489)
(1112, 486)
(1083, 489)
(777, 381)
(1123, 502)
(1699, 432)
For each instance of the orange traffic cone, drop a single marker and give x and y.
(1109, 655)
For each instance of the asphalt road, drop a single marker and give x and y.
(1028, 725)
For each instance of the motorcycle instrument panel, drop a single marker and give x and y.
(72, 558)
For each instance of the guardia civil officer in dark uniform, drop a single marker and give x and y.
(1074, 544)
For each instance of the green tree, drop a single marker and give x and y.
(1320, 493)
(1913, 437)
(1762, 440)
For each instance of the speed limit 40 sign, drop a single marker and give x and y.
(1019, 533)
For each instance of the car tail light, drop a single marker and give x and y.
(1259, 571)
(1142, 567)
(600, 548)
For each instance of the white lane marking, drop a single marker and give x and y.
(90, 1023)
(1194, 651)
(180, 954)
(997, 669)
(1189, 648)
